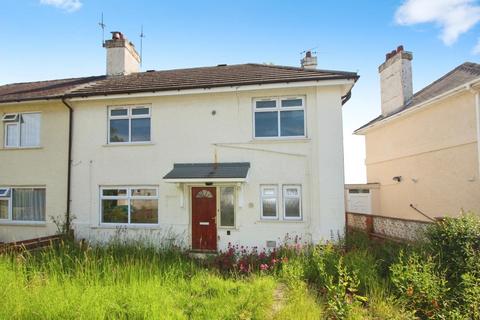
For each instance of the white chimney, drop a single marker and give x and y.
(396, 80)
(122, 58)
(309, 61)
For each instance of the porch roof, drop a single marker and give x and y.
(208, 172)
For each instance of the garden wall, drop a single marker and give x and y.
(386, 227)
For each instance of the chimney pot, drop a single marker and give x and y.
(308, 54)
(400, 48)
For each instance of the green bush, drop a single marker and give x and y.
(456, 243)
(420, 285)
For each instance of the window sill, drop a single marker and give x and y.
(20, 148)
(128, 144)
(23, 223)
(125, 226)
(281, 140)
(280, 221)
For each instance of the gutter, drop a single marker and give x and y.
(408, 111)
(69, 168)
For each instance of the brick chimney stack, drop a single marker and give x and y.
(122, 58)
(396, 80)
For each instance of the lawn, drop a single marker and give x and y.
(356, 279)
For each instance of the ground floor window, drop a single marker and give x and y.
(22, 204)
(290, 201)
(227, 207)
(129, 205)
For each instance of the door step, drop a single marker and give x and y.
(202, 254)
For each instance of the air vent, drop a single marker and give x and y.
(271, 243)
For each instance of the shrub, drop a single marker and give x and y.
(420, 285)
(456, 243)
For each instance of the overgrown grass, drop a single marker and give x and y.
(121, 282)
(356, 279)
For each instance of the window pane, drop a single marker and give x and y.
(227, 206)
(291, 192)
(266, 124)
(292, 207)
(266, 104)
(269, 207)
(28, 204)
(139, 111)
(12, 135)
(144, 192)
(30, 129)
(115, 192)
(291, 123)
(118, 112)
(141, 129)
(292, 103)
(144, 211)
(115, 211)
(119, 130)
(269, 191)
(3, 209)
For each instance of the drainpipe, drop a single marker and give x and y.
(69, 168)
(477, 113)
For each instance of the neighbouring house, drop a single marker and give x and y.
(244, 154)
(422, 152)
(34, 157)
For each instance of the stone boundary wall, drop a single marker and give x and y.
(386, 227)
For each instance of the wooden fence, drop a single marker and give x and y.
(30, 244)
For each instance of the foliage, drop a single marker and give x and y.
(420, 285)
(456, 243)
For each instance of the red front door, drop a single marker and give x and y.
(204, 218)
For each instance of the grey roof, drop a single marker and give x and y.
(209, 170)
(462, 74)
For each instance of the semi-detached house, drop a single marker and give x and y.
(244, 154)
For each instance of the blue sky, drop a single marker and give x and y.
(48, 39)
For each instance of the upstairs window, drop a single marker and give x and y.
(22, 130)
(128, 124)
(279, 117)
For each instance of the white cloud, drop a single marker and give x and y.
(476, 49)
(67, 5)
(454, 17)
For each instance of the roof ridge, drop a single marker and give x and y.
(303, 69)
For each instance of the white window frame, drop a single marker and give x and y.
(129, 116)
(16, 121)
(219, 215)
(276, 197)
(9, 197)
(278, 108)
(284, 197)
(129, 197)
